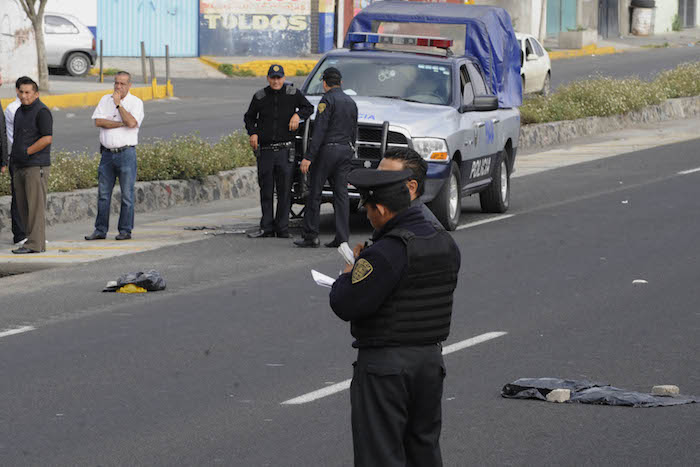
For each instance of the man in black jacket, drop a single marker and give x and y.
(398, 298)
(272, 120)
(31, 157)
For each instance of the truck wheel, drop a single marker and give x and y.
(547, 86)
(77, 64)
(496, 197)
(447, 205)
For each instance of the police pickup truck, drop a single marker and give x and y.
(416, 93)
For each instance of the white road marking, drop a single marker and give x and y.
(343, 385)
(690, 171)
(10, 332)
(485, 221)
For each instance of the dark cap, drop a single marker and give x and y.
(331, 72)
(377, 186)
(275, 71)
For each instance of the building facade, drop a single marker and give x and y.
(17, 43)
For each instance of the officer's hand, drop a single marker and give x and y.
(305, 164)
(348, 268)
(294, 122)
(357, 250)
(254, 142)
(3, 169)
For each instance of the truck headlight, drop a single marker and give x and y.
(432, 149)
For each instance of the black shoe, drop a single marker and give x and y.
(260, 234)
(308, 242)
(123, 236)
(95, 236)
(333, 244)
(23, 251)
(283, 235)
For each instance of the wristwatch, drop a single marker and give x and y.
(118, 105)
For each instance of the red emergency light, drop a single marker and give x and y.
(399, 39)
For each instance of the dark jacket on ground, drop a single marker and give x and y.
(32, 122)
(270, 111)
(336, 121)
(3, 140)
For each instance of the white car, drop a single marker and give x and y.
(69, 44)
(536, 68)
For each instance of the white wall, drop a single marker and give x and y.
(664, 12)
(17, 44)
(524, 13)
(84, 10)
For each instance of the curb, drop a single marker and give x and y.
(88, 99)
(297, 67)
(156, 195)
(587, 50)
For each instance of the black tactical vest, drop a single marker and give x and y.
(26, 133)
(420, 309)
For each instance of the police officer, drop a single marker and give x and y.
(272, 120)
(328, 157)
(398, 299)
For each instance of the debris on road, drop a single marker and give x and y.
(150, 281)
(131, 288)
(559, 395)
(588, 392)
(639, 281)
(665, 390)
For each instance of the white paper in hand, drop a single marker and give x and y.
(346, 252)
(322, 279)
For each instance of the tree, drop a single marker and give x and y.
(34, 10)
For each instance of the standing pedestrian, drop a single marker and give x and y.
(398, 298)
(119, 117)
(328, 157)
(272, 121)
(407, 158)
(18, 233)
(31, 156)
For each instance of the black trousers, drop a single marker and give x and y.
(18, 232)
(332, 163)
(396, 396)
(275, 174)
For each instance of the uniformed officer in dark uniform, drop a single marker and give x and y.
(398, 299)
(328, 157)
(272, 120)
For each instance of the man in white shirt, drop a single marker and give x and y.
(18, 232)
(119, 117)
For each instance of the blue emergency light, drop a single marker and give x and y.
(399, 39)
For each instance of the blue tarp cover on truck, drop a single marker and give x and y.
(489, 37)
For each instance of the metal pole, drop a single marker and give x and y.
(154, 84)
(143, 62)
(102, 76)
(167, 70)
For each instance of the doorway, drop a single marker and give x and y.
(686, 13)
(561, 16)
(608, 18)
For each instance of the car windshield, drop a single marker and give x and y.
(427, 83)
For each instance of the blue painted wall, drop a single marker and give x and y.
(123, 24)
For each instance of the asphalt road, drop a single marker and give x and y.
(195, 375)
(214, 108)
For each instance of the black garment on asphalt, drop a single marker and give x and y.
(269, 113)
(275, 172)
(396, 389)
(32, 122)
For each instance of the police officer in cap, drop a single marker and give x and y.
(398, 298)
(328, 157)
(272, 120)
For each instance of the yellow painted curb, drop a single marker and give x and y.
(89, 99)
(260, 67)
(587, 50)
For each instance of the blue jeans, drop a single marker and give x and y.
(113, 165)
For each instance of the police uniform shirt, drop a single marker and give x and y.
(269, 113)
(338, 107)
(378, 269)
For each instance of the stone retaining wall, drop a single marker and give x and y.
(153, 196)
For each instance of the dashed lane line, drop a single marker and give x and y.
(690, 171)
(343, 385)
(10, 332)
(485, 221)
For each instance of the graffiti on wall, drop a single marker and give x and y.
(254, 27)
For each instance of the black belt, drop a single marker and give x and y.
(116, 150)
(277, 146)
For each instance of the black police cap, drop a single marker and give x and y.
(275, 71)
(379, 185)
(331, 72)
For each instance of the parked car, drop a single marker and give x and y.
(536, 68)
(70, 45)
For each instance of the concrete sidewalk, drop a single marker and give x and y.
(233, 217)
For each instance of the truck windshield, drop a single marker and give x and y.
(427, 83)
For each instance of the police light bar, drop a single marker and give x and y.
(399, 39)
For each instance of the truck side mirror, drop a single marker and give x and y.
(481, 104)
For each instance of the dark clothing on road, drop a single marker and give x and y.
(268, 117)
(270, 111)
(330, 152)
(32, 122)
(398, 298)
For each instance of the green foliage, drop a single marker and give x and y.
(180, 158)
(676, 25)
(301, 72)
(600, 97)
(577, 28)
(110, 71)
(235, 70)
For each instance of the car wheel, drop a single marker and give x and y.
(447, 205)
(78, 64)
(547, 86)
(496, 198)
(522, 79)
